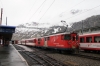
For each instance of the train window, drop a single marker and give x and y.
(30, 41)
(82, 40)
(39, 39)
(89, 39)
(48, 38)
(67, 37)
(97, 39)
(38, 42)
(73, 38)
(45, 38)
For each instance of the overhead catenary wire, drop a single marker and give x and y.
(1, 4)
(40, 11)
(36, 10)
(31, 8)
(64, 11)
(83, 12)
(75, 5)
(47, 10)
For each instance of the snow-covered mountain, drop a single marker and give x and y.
(74, 18)
(31, 30)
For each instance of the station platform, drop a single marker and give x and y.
(9, 56)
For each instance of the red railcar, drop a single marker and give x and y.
(30, 42)
(39, 42)
(90, 42)
(14, 42)
(23, 41)
(19, 41)
(62, 41)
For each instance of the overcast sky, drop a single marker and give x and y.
(47, 11)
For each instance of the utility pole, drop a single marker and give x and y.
(6, 21)
(82, 26)
(1, 15)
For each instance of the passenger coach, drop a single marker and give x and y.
(90, 42)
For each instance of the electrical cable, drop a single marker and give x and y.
(37, 10)
(47, 10)
(1, 3)
(84, 11)
(31, 7)
(76, 5)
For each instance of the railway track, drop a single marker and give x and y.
(87, 56)
(38, 58)
(41, 58)
(92, 56)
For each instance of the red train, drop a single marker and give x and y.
(66, 41)
(90, 42)
(62, 42)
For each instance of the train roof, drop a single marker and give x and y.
(57, 34)
(27, 39)
(89, 34)
(48, 35)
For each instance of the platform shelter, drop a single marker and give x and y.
(6, 33)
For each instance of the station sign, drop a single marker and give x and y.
(7, 30)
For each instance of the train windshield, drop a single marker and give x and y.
(67, 37)
(74, 38)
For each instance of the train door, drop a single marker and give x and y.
(39, 40)
(75, 43)
(74, 37)
(45, 41)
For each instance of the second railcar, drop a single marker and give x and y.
(90, 42)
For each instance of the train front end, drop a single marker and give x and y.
(72, 43)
